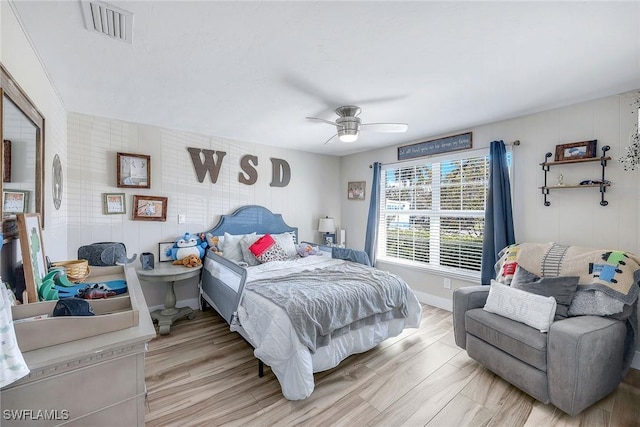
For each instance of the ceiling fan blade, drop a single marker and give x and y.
(385, 127)
(322, 120)
(329, 140)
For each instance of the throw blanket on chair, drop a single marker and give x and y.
(609, 281)
(614, 273)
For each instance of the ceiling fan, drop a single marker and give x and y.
(348, 124)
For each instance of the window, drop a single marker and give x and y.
(433, 213)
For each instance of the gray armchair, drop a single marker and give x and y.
(575, 364)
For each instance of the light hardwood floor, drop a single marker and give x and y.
(204, 375)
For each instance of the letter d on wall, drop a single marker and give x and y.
(280, 173)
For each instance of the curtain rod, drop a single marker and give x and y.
(508, 144)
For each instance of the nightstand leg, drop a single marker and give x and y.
(170, 313)
(169, 301)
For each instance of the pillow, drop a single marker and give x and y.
(286, 242)
(266, 249)
(524, 307)
(245, 242)
(523, 276)
(562, 288)
(231, 246)
(594, 303)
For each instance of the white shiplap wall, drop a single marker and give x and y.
(92, 146)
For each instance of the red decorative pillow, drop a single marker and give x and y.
(266, 249)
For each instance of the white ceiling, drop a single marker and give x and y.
(252, 71)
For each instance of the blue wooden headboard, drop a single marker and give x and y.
(252, 218)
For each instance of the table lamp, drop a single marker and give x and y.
(327, 226)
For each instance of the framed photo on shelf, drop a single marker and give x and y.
(32, 248)
(162, 251)
(150, 208)
(133, 170)
(114, 203)
(355, 190)
(576, 150)
(14, 202)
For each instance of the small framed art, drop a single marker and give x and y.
(162, 251)
(14, 202)
(133, 170)
(149, 208)
(32, 248)
(113, 203)
(576, 150)
(355, 190)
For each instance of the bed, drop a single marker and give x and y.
(259, 300)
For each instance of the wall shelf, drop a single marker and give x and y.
(602, 185)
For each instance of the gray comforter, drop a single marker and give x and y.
(329, 302)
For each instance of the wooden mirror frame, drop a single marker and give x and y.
(11, 89)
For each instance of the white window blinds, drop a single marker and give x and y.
(433, 213)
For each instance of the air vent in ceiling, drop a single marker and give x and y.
(108, 20)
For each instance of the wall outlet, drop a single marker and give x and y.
(182, 219)
(447, 283)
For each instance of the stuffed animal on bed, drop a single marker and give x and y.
(213, 242)
(306, 250)
(189, 244)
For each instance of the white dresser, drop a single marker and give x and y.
(94, 381)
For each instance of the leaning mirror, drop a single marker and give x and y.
(22, 138)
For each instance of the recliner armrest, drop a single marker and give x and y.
(464, 299)
(584, 360)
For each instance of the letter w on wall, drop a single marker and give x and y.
(209, 164)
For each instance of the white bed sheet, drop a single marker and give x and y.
(270, 331)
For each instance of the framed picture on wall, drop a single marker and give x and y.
(113, 203)
(149, 208)
(14, 202)
(355, 190)
(133, 170)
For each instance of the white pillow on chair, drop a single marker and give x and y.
(525, 307)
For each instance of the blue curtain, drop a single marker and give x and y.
(372, 219)
(498, 217)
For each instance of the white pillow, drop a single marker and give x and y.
(534, 310)
(245, 242)
(286, 242)
(231, 248)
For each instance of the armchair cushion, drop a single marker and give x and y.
(517, 339)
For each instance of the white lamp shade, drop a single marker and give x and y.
(327, 225)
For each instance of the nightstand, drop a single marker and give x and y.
(169, 273)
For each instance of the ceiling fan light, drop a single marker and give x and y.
(348, 135)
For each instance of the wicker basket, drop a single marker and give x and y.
(77, 270)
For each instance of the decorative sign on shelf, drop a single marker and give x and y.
(436, 146)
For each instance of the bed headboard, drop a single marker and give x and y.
(250, 218)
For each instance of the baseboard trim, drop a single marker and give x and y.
(194, 303)
(443, 303)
